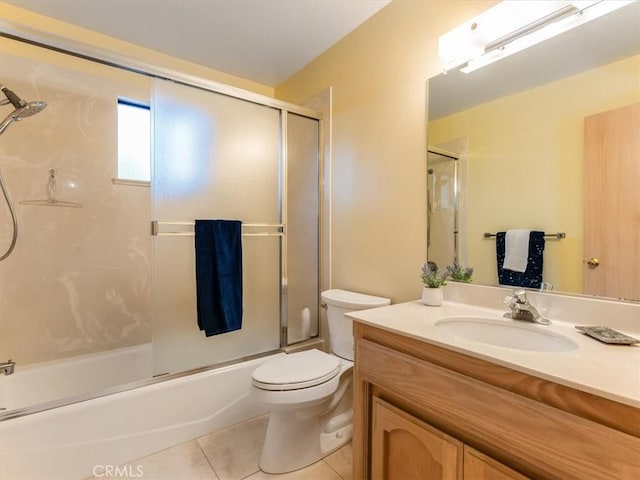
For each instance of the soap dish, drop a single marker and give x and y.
(607, 335)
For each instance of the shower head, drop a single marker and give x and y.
(28, 109)
(22, 108)
(19, 113)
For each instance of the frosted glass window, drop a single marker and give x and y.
(134, 141)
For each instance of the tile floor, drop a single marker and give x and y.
(231, 454)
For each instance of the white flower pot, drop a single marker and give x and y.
(432, 296)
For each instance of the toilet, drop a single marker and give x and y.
(309, 394)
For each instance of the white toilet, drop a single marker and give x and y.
(309, 394)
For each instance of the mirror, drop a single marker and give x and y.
(517, 127)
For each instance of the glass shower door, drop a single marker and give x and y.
(215, 157)
(303, 198)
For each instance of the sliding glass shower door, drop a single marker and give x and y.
(303, 239)
(215, 157)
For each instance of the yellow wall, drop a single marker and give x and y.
(72, 32)
(525, 164)
(378, 75)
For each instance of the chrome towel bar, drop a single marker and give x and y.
(157, 229)
(559, 235)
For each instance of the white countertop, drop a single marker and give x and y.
(610, 371)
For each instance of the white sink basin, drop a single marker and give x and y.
(506, 334)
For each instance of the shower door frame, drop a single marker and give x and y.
(46, 40)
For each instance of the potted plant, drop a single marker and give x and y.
(433, 279)
(458, 273)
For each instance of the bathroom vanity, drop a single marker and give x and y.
(436, 403)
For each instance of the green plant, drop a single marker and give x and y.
(458, 273)
(432, 277)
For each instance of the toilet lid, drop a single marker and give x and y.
(296, 370)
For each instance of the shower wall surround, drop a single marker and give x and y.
(79, 280)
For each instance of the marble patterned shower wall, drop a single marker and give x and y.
(79, 279)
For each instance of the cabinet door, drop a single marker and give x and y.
(478, 466)
(406, 448)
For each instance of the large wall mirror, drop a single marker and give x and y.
(520, 131)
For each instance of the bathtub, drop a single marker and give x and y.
(45, 382)
(69, 442)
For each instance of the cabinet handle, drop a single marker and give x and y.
(593, 262)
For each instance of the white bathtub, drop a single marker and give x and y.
(44, 382)
(68, 442)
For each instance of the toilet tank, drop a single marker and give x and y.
(338, 303)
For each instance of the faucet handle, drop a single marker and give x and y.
(520, 296)
(512, 302)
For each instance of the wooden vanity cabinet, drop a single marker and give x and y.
(426, 412)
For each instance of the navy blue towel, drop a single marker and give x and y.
(532, 276)
(219, 275)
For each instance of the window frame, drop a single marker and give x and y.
(118, 179)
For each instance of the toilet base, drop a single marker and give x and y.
(311, 443)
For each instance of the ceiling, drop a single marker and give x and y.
(265, 41)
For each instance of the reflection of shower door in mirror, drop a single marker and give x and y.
(612, 203)
(442, 210)
(215, 157)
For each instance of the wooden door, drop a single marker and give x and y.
(406, 448)
(478, 466)
(612, 203)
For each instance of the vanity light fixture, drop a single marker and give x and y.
(514, 25)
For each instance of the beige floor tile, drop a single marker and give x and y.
(317, 471)
(185, 462)
(234, 452)
(342, 461)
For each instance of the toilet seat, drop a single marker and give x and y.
(296, 371)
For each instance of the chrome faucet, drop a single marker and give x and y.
(521, 309)
(8, 367)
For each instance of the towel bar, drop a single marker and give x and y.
(156, 229)
(559, 235)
